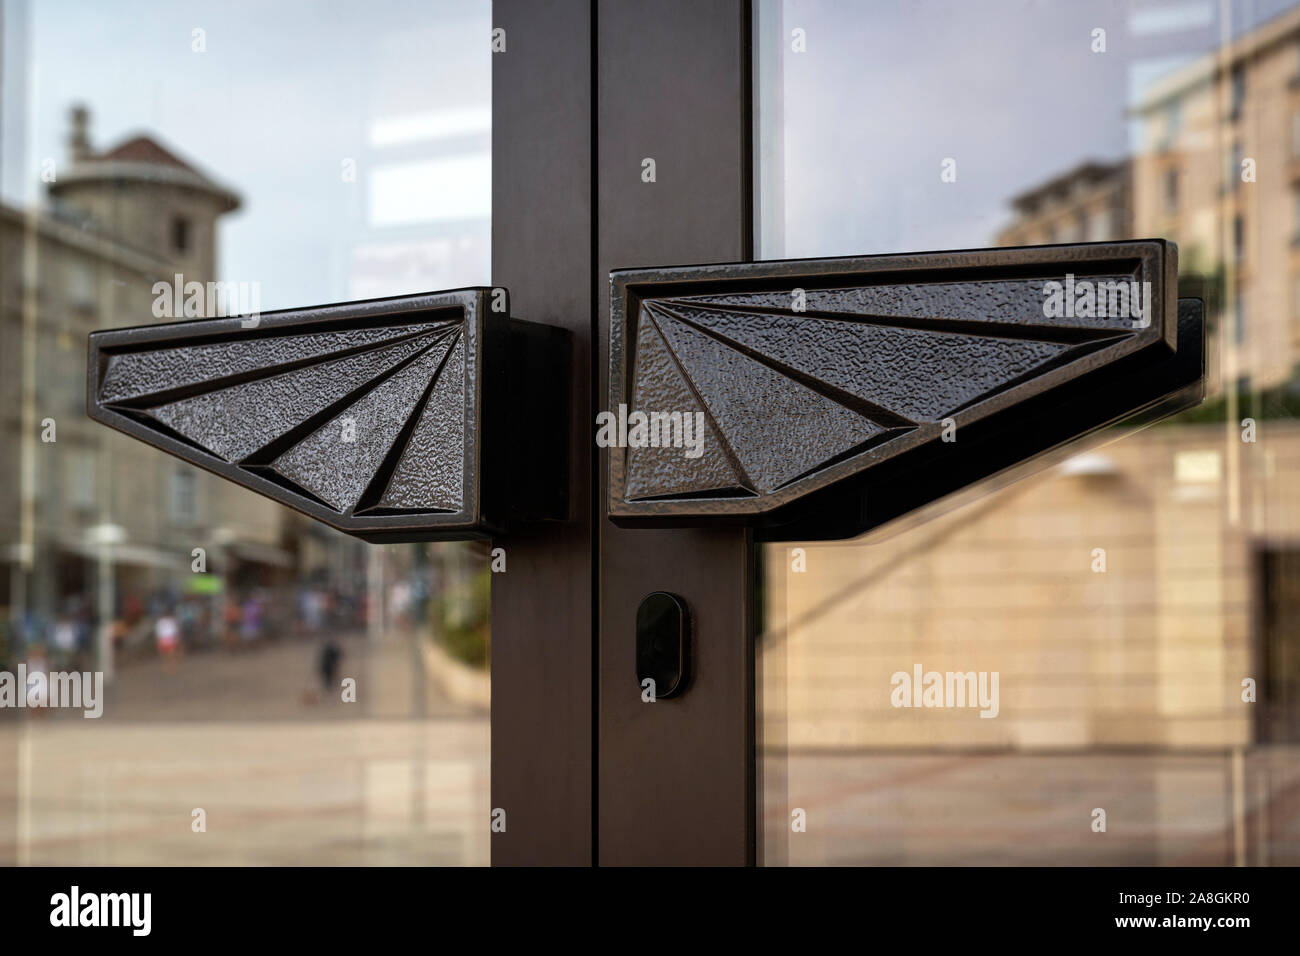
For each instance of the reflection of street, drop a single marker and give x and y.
(282, 779)
(269, 682)
(1002, 809)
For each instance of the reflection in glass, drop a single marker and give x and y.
(1138, 603)
(275, 691)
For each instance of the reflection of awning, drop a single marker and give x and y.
(134, 554)
(259, 553)
(143, 555)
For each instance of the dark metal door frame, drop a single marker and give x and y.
(586, 771)
(676, 777)
(543, 655)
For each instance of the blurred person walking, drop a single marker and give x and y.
(231, 617)
(328, 665)
(251, 620)
(167, 632)
(65, 640)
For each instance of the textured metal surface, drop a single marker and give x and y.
(661, 385)
(236, 421)
(370, 416)
(810, 374)
(157, 371)
(344, 456)
(429, 472)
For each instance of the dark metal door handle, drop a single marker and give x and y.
(392, 419)
(820, 398)
(811, 399)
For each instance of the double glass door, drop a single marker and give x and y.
(1124, 617)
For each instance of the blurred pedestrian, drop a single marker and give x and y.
(250, 627)
(231, 619)
(328, 664)
(167, 632)
(65, 640)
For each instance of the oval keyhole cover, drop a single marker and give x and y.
(663, 648)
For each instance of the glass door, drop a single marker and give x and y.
(263, 690)
(1095, 664)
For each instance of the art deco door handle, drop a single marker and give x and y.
(820, 398)
(393, 419)
(812, 398)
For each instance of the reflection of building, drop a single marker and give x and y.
(141, 194)
(1090, 203)
(1203, 125)
(1230, 112)
(1200, 588)
(94, 516)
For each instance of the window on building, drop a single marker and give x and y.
(181, 234)
(1238, 320)
(1171, 190)
(1238, 90)
(1173, 124)
(184, 497)
(1099, 229)
(1239, 237)
(81, 284)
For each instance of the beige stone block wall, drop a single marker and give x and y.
(1149, 653)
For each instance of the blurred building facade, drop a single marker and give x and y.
(1090, 203)
(95, 525)
(1126, 594)
(1218, 169)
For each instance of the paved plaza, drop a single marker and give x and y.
(281, 779)
(401, 777)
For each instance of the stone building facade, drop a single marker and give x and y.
(94, 516)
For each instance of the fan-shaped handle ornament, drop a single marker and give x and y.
(390, 419)
(820, 398)
(813, 398)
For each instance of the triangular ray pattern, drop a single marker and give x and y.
(135, 374)
(367, 415)
(996, 302)
(849, 391)
(338, 460)
(918, 373)
(236, 421)
(667, 470)
(778, 428)
(429, 474)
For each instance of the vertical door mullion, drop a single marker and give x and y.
(542, 605)
(676, 777)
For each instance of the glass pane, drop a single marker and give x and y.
(274, 692)
(1122, 626)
